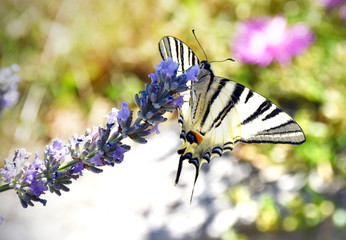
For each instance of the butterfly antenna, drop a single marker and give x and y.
(228, 59)
(194, 34)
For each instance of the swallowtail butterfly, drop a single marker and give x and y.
(221, 113)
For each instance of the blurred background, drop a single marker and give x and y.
(78, 59)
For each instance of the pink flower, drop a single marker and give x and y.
(261, 41)
(342, 12)
(332, 4)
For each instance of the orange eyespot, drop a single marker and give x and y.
(198, 136)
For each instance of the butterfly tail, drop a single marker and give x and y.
(197, 165)
(180, 166)
(193, 189)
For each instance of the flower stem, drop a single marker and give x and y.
(69, 164)
(5, 187)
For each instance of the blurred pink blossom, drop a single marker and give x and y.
(342, 12)
(332, 4)
(261, 41)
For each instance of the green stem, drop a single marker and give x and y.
(69, 164)
(5, 187)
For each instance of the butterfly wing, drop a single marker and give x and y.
(171, 47)
(264, 122)
(224, 113)
(210, 124)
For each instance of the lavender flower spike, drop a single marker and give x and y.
(101, 147)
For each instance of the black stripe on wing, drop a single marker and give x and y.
(237, 92)
(218, 120)
(193, 58)
(165, 48)
(194, 104)
(260, 110)
(234, 98)
(274, 113)
(282, 126)
(289, 127)
(286, 133)
(249, 95)
(273, 142)
(228, 146)
(213, 98)
(180, 55)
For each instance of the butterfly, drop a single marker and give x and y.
(220, 113)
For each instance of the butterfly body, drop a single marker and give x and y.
(219, 113)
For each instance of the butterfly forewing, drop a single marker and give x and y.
(171, 47)
(264, 122)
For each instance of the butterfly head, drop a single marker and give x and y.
(205, 71)
(205, 65)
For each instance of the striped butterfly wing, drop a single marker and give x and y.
(224, 113)
(262, 121)
(220, 113)
(171, 47)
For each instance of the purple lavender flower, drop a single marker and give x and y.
(21, 176)
(99, 147)
(14, 172)
(95, 133)
(112, 117)
(97, 159)
(77, 168)
(124, 118)
(33, 170)
(192, 73)
(161, 96)
(8, 86)
(124, 113)
(179, 101)
(2, 218)
(261, 41)
(37, 188)
(119, 154)
(166, 69)
(58, 150)
(155, 129)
